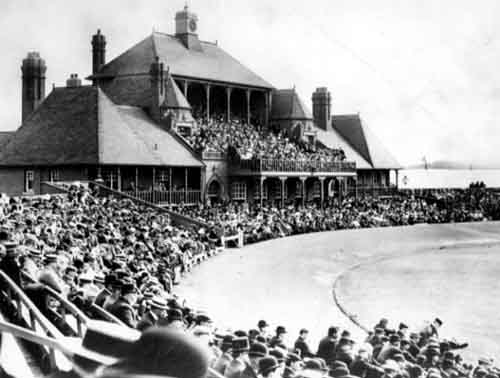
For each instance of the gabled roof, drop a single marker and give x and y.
(333, 139)
(5, 136)
(174, 98)
(359, 136)
(212, 63)
(287, 105)
(81, 125)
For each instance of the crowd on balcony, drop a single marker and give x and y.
(218, 135)
(126, 258)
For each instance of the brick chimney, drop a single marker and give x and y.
(322, 102)
(98, 52)
(33, 82)
(158, 90)
(73, 81)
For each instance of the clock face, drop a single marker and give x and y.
(192, 25)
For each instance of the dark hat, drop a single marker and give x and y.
(280, 330)
(261, 339)
(262, 323)
(267, 364)
(174, 314)
(253, 333)
(303, 330)
(448, 355)
(227, 341)
(313, 364)
(202, 317)
(438, 321)
(333, 331)
(128, 287)
(345, 333)
(240, 344)
(293, 357)
(394, 339)
(240, 333)
(339, 364)
(403, 326)
(339, 372)
(164, 352)
(278, 354)
(258, 350)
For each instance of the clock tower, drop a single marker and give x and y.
(186, 29)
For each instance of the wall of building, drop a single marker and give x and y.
(217, 169)
(12, 181)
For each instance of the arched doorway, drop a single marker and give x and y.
(214, 191)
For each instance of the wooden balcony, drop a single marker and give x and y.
(292, 167)
(174, 197)
(213, 155)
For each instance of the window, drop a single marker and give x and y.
(257, 190)
(316, 189)
(54, 175)
(239, 190)
(29, 181)
(110, 178)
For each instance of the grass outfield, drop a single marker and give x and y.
(448, 270)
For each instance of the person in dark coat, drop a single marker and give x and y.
(279, 337)
(123, 307)
(327, 345)
(256, 353)
(10, 264)
(301, 344)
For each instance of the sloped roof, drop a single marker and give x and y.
(333, 139)
(363, 140)
(82, 125)
(212, 63)
(5, 136)
(174, 98)
(288, 105)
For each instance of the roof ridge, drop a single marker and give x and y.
(366, 140)
(155, 50)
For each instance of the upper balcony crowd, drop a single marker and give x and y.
(218, 135)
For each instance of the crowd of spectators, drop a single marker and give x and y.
(252, 143)
(268, 222)
(126, 257)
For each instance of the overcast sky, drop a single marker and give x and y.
(423, 74)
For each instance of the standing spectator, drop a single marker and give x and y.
(10, 264)
(327, 345)
(279, 338)
(301, 344)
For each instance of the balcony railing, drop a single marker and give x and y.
(277, 165)
(213, 155)
(165, 197)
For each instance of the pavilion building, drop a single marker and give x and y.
(128, 128)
